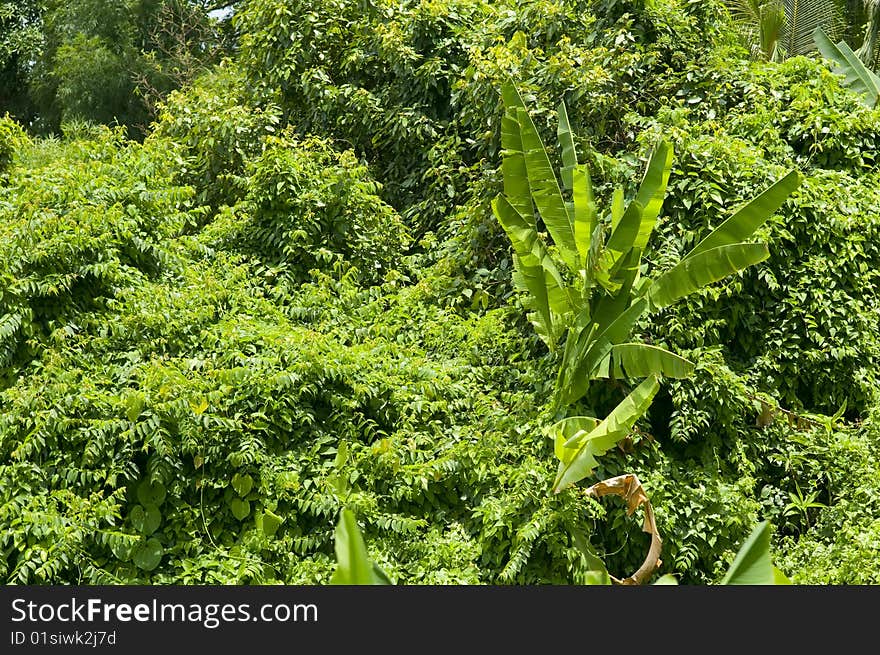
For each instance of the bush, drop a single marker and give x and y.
(218, 130)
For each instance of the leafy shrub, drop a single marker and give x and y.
(11, 139)
(75, 231)
(308, 206)
(218, 129)
(414, 86)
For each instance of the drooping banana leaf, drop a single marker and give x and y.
(750, 216)
(545, 191)
(639, 360)
(563, 430)
(856, 75)
(693, 273)
(582, 449)
(536, 272)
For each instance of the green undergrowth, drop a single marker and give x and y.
(301, 258)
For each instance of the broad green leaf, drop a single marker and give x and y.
(667, 579)
(593, 560)
(638, 360)
(148, 555)
(566, 147)
(353, 565)
(750, 216)
(625, 271)
(240, 508)
(605, 435)
(592, 578)
(619, 261)
(242, 484)
(511, 98)
(585, 216)
(652, 190)
(563, 430)
(624, 235)
(134, 405)
(589, 351)
(122, 545)
(268, 522)
(779, 578)
(146, 519)
(545, 191)
(513, 168)
(693, 273)
(752, 565)
(151, 493)
(617, 207)
(536, 270)
(856, 75)
(341, 456)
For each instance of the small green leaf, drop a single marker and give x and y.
(242, 484)
(148, 555)
(240, 508)
(151, 493)
(134, 405)
(268, 523)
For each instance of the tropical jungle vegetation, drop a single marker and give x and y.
(439, 292)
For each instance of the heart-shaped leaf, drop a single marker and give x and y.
(148, 555)
(151, 493)
(146, 519)
(138, 517)
(240, 508)
(242, 484)
(269, 522)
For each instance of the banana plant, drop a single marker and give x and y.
(856, 75)
(586, 286)
(353, 563)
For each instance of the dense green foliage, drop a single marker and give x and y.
(104, 61)
(300, 258)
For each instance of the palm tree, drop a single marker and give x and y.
(777, 29)
(867, 52)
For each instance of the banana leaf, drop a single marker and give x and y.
(748, 218)
(856, 75)
(652, 191)
(536, 271)
(693, 273)
(583, 448)
(638, 360)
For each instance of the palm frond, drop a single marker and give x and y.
(802, 17)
